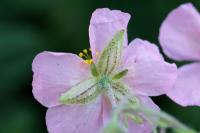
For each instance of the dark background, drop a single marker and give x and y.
(28, 27)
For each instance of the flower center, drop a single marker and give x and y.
(86, 55)
(104, 82)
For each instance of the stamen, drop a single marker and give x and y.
(85, 51)
(86, 55)
(81, 54)
(87, 62)
(90, 61)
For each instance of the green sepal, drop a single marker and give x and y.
(120, 87)
(111, 56)
(120, 74)
(94, 70)
(82, 93)
(120, 91)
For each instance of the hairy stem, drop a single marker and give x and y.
(170, 121)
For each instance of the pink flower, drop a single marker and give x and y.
(180, 40)
(56, 75)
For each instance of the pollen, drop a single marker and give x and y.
(86, 55)
(81, 54)
(85, 51)
(89, 62)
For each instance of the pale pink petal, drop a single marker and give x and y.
(55, 73)
(148, 103)
(180, 33)
(104, 24)
(75, 118)
(187, 87)
(106, 110)
(145, 127)
(139, 128)
(148, 74)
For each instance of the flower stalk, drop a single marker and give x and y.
(164, 119)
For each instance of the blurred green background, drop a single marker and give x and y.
(28, 27)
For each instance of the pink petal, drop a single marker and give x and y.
(148, 74)
(104, 24)
(75, 118)
(180, 33)
(145, 127)
(148, 103)
(187, 87)
(106, 110)
(55, 73)
(139, 128)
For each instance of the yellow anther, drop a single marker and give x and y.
(90, 61)
(85, 51)
(86, 56)
(81, 54)
(86, 61)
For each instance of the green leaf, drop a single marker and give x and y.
(82, 93)
(111, 55)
